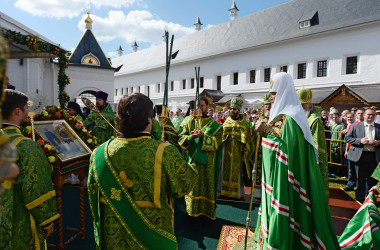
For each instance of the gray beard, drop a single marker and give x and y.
(307, 112)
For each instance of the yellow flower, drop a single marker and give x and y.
(51, 159)
(29, 129)
(89, 140)
(84, 130)
(48, 146)
(44, 113)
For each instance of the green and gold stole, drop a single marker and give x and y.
(104, 180)
(196, 152)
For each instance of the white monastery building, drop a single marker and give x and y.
(323, 44)
(89, 69)
(26, 71)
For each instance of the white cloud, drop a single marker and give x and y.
(112, 54)
(69, 8)
(138, 24)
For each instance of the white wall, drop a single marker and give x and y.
(84, 78)
(30, 75)
(332, 46)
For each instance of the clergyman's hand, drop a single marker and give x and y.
(49, 230)
(260, 127)
(196, 134)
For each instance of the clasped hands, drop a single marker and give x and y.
(366, 141)
(260, 127)
(196, 134)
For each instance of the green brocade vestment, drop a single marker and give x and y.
(177, 120)
(132, 185)
(170, 133)
(336, 148)
(101, 129)
(156, 129)
(318, 133)
(294, 209)
(238, 146)
(204, 155)
(28, 204)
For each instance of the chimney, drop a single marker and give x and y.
(233, 10)
(120, 51)
(198, 24)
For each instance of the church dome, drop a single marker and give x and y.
(88, 20)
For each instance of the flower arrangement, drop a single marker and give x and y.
(55, 51)
(31, 42)
(50, 152)
(64, 98)
(64, 79)
(34, 44)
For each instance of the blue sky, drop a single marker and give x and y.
(122, 21)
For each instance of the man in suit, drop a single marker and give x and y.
(364, 138)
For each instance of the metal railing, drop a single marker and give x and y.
(341, 149)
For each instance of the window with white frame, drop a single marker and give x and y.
(235, 78)
(322, 68)
(284, 68)
(252, 76)
(351, 65)
(301, 72)
(305, 24)
(219, 82)
(266, 74)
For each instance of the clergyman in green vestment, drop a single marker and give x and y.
(28, 205)
(313, 115)
(96, 124)
(133, 181)
(74, 110)
(178, 119)
(202, 138)
(336, 149)
(238, 146)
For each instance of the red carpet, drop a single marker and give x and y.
(342, 208)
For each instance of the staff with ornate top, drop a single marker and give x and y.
(168, 132)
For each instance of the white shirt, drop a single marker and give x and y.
(372, 135)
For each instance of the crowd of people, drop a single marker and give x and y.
(250, 114)
(338, 126)
(285, 150)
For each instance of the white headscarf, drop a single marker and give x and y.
(288, 103)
